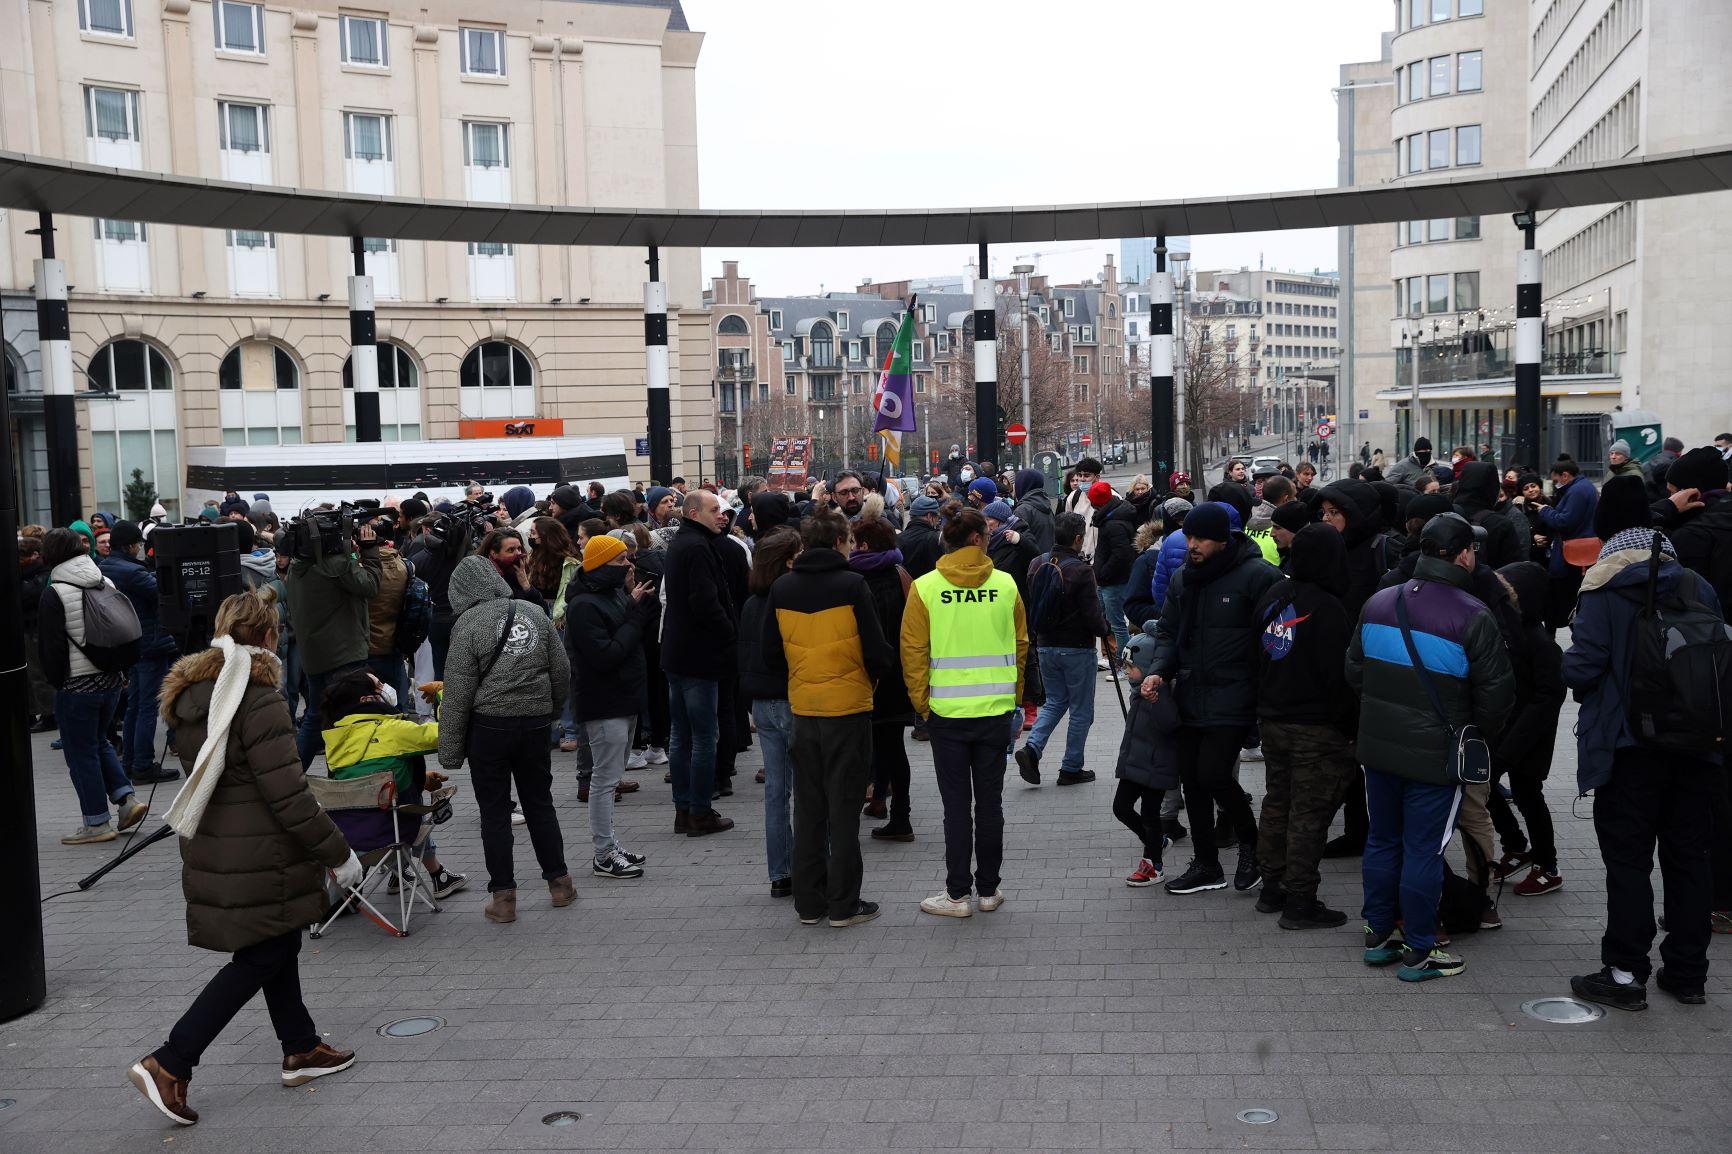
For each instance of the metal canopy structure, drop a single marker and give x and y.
(44, 184)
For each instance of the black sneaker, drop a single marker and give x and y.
(894, 831)
(1198, 876)
(153, 775)
(1601, 987)
(44, 724)
(782, 888)
(1247, 876)
(863, 912)
(1689, 995)
(918, 733)
(1272, 900)
(1080, 777)
(1174, 829)
(1028, 764)
(446, 883)
(1311, 915)
(614, 866)
(635, 859)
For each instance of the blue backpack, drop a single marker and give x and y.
(414, 615)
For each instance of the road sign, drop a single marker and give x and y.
(1325, 430)
(1087, 440)
(643, 446)
(1016, 433)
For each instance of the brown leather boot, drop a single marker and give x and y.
(164, 1091)
(708, 821)
(682, 821)
(563, 891)
(501, 907)
(299, 1069)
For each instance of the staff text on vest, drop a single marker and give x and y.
(956, 596)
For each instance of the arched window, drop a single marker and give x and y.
(399, 395)
(13, 370)
(260, 402)
(732, 325)
(823, 346)
(497, 381)
(885, 341)
(133, 436)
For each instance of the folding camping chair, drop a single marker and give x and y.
(385, 835)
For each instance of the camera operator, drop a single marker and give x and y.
(434, 555)
(329, 587)
(386, 663)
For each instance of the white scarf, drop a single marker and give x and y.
(188, 807)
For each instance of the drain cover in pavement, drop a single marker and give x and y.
(1563, 1011)
(1261, 1116)
(410, 1027)
(561, 1118)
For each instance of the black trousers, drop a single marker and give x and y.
(891, 775)
(1207, 755)
(1528, 791)
(969, 755)
(268, 967)
(503, 751)
(1147, 824)
(832, 764)
(1661, 798)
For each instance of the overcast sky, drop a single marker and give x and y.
(820, 105)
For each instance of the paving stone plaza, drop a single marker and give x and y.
(690, 1011)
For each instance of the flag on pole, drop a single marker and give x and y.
(893, 401)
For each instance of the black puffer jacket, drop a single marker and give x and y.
(698, 618)
(1115, 541)
(1478, 494)
(921, 547)
(604, 639)
(889, 598)
(1364, 509)
(757, 680)
(1526, 744)
(1208, 634)
(1034, 508)
(1703, 539)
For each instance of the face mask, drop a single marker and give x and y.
(608, 576)
(1424, 456)
(967, 473)
(388, 694)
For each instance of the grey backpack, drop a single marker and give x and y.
(111, 630)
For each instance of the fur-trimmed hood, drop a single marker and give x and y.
(204, 667)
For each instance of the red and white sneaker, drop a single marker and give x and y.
(1536, 883)
(1147, 873)
(1511, 864)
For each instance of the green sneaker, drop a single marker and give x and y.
(1383, 949)
(1418, 967)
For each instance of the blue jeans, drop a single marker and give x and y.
(96, 773)
(776, 734)
(309, 741)
(292, 676)
(1069, 677)
(1113, 605)
(692, 740)
(1411, 824)
(138, 729)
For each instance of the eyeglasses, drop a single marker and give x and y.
(851, 491)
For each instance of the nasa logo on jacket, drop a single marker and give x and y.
(1279, 633)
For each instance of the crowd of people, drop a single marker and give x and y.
(1385, 644)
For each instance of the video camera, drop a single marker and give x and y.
(460, 524)
(321, 532)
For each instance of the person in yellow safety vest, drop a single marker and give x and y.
(964, 647)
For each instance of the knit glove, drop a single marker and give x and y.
(350, 872)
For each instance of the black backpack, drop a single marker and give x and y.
(1046, 607)
(1679, 695)
(112, 634)
(414, 614)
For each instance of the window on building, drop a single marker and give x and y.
(1437, 293)
(854, 350)
(1468, 67)
(364, 41)
(1437, 148)
(1467, 144)
(1466, 291)
(919, 351)
(1439, 76)
(261, 404)
(788, 384)
(1472, 8)
(944, 374)
(242, 127)
(1055, 341)
(1440, 10)
(732, 325)
(823, 346)
(486, 145)
(239, 27)
(366, 136)
(842, 320)
(940, 342)
(137, 435)
(496, 381)
(1467, 228)
(1416, 80)
(483, 51)
(1079, 363)
(1069, 306)
(886, 340)
(775, 318)
(1416, 153)
(787, 352)
(399, 394)
(1415, 299)
(1416, 12)
(106, 17)
(111, 114)
(1438, 229)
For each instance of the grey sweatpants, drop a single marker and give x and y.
(609, 742)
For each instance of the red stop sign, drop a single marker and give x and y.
(1016, 433)
(1087, 440)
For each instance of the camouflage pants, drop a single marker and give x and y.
(1307, 767)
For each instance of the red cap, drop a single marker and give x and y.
(1100, 493)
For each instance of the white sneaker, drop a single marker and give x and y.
(990, 902)
(637, 760)
(946, 906)
(1101, 664)
(658, 755)
(517, 817)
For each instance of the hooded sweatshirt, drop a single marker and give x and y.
(1034, 508)
(258, 568)
(1364, 509)
(529, 680)
(1478, 493)
(1301, 667)
(966, 568)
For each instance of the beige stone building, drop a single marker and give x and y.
(206, 337)
(1290, 327)
(1364, 99)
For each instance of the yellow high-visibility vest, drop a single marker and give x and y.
(972, 647)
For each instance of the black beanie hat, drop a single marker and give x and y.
(1623, 505)
(1702, 469)
(1293, 516)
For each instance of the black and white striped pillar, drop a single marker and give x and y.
(1161, 426)
(989, 438)
(655, 352)
(363, 353)
(1529, 343)
(54, 332)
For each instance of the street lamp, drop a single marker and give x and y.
(1022, 272)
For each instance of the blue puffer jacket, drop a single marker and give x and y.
(134, 579)
(1140, 608)
(1571, 515)
(1597, 663)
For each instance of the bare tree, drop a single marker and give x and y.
(1220, 398)
(1055, 406)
